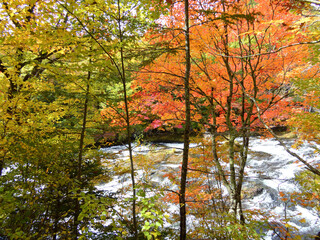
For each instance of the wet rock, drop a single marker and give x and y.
(252, 191)
(194, 155)
(261, 194)
(257, 155)
(300, 223)
(174, 158)
(258, 187)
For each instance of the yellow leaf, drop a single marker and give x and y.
(302, 220)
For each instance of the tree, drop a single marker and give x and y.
(184, 165)
(42, 95)
(126, 23)
(240, 66)
(306, 82)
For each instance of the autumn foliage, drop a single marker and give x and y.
(244, 57)
(73, 73)
(235, 56)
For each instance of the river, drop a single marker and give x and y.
(270, 175)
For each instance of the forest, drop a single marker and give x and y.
(219, 77)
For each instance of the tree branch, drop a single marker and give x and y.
(271, 52)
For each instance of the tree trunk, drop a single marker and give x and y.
(184, 169)
(125, 98)
(79, 167)
(1, 166)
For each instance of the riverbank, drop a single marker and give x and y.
(175, 136)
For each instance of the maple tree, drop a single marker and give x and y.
(241, 66)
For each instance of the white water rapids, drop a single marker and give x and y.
(270, 170)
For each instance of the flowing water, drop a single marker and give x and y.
(270, 176)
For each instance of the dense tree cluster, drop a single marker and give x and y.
(78, 74)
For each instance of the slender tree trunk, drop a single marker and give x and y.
(80, 157)
(83, 130)
(123, 78)
(56, 218)
(213, 133)
(243, 159)
(184, 169)
(121, 72)
(1, 166)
